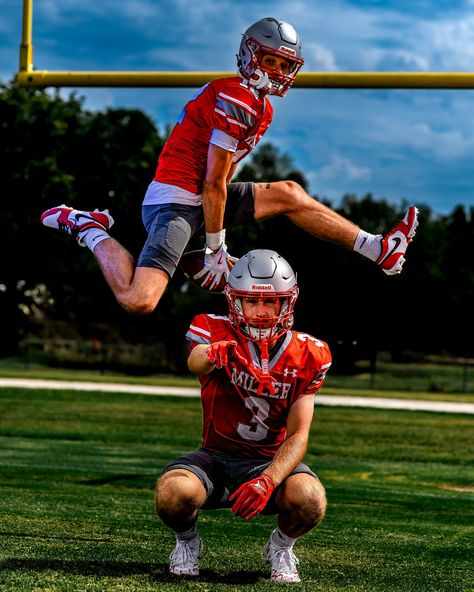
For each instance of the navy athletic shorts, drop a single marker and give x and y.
(221, 475)
(170, 227)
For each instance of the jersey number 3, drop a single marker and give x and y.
(257, 429)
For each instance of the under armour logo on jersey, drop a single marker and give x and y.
(288, 372)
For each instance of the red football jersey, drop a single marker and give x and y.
(236, 420)
(228, 105)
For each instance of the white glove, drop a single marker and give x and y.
(215, 267)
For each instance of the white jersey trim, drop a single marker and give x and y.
(162, 193)
(223, 140)
(237, 102)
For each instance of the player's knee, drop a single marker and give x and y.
(177, 491)
(137, 306)
(290, 196)
(305, 497)
(142, 308)
(317, 504)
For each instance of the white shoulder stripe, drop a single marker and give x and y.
(199, 331)
(237, 102)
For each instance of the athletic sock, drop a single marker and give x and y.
(187, 535)
(368, 245)
(281, 539)
(93, 236)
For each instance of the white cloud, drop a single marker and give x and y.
(396, 60)
(361, 38)
(319, 58)
(451, 42)
(445, 144)
(436, 139)
(342, 169)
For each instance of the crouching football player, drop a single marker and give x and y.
(258, 380)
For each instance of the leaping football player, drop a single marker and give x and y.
(192, 186)
(258, 379)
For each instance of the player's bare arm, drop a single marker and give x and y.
(214, 197)
(214, 191)
(294, 447)
(231, 172)
(198, 360)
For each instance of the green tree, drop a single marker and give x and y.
(54, 151)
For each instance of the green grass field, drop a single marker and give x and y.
(77, 473)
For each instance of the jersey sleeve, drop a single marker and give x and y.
(234, 114)
(199, 331)
(223, 140)
(322, 358)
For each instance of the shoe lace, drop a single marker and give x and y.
(185, 552)
(283, 559)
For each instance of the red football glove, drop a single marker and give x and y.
(220, 352)
(252, 497)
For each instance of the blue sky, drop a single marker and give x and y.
(398, 144)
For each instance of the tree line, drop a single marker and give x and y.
(54, 151)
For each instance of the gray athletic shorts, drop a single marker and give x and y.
(221, 475)
(170, 227)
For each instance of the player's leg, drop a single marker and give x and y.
(301, 504)
(183, 489)
(301, 501)
(139, 288)
(91, 229)
(179, 495)
(290, 199)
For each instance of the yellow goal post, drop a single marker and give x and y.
(28, 76)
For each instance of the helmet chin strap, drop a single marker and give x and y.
(261, 82)
(266, 379)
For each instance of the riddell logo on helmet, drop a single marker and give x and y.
(262, 287)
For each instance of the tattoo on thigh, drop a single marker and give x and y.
(261, 186)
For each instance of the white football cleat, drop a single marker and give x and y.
(394, 243)
(76, 222)
(185, 556)
(282, 561)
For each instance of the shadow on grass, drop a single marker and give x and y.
(158, 572)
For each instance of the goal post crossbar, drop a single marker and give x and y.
(373, 80)
(27, 76)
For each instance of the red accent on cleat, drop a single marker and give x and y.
(76, 222)
(394, 243)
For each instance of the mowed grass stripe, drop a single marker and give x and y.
(77, 472)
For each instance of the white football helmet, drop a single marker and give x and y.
(275, 37)
(261, 274)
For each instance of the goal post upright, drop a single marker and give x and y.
(26, 47)
(30, 77)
